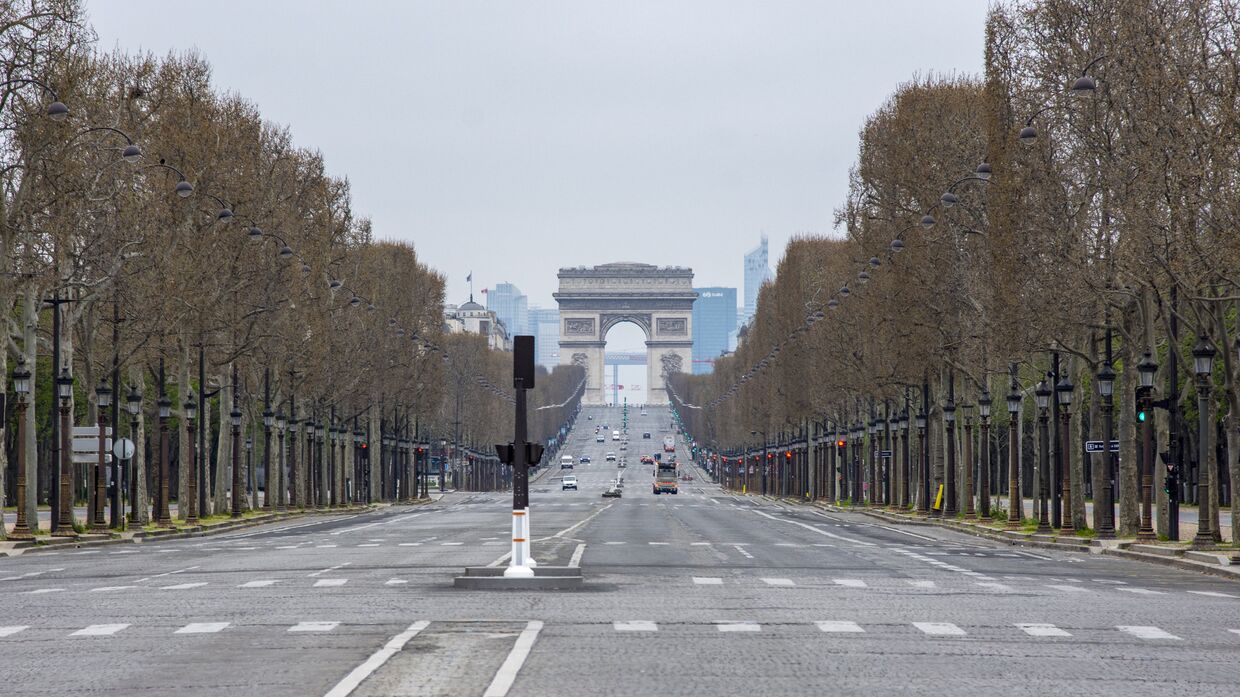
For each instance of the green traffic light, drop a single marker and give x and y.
(1141, 416)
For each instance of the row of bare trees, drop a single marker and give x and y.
(1079, 199)
(170, 224)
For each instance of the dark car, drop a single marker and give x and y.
(646, 435)
(585, 459)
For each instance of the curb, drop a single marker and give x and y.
(56, 543)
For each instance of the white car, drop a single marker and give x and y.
(598, 438)
(611, 457)
(569, 482)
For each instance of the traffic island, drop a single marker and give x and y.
(545, 578)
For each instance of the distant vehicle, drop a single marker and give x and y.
(611, 457)
(665, 475)
(646, 435)
(647, 460)
(615, 435)
(598, 438)
(643, 412)
(658, 457)
(566, 462)
(590, 417)
(612, 493)
(585, 459)
(622, 465)
(669, 444)
(568, 482)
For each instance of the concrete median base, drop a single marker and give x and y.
(545, 578)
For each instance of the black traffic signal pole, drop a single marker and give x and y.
(521, 454)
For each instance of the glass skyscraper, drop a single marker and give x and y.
(714, 322)
(511, 307)
(545, 326)
(757, 272)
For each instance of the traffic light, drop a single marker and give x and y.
(788, 455)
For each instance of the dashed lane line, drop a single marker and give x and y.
(839, 626)
(1040, 629)
(99, 630)
(1147, 632)
(355, 677)
(203, 628)
(507, 673)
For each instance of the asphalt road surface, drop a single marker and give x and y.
(702, 593)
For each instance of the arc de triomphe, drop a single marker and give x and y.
(657, 299)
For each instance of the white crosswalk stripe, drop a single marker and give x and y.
(330, 582)
(707, 581)
(99, 630)
(13, 629)
(259, 584)
(1141, 591)
(1067, 589)
(849, 582)
(1147, 632)
(778, 582)
(314, 626)
(104, 589)
(183, 586)
(1039, 629)
(939, 628)
(1001, 587)
(635, 626)
(921, 584)
(1214, 594)
(739, 627)
(202, 628)
(839, 626)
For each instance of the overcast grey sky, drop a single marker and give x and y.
(513, 138)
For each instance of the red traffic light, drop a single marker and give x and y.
(788, 455)
(840, 443)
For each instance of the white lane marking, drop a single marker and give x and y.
(903, 532)
(358, 527)
(314, 626)
(395, 582)
(1001, 587)
(849, 582)
(1067, 588)
(350, 682)
(1214, 594)
(778, 582)
(738, 627)
(260, 584)
(741, 549)
(501, 560)
(408, 544)
(707, 581)
(583, 521)
(99, 630)
(369, 544)
(39, 591)
(1106, 580)
(659, 543)
(1040, 629)
(635, 626)
(507, 673)
(939, 628)
(183, 586)
(836, 626)
(1035, 556)
(28, 574)
(575, 561)
(820, 531)
(202, 628)
(1147, 632)
(167, 573)
(320, 572)
(13, 629)
(921, 584)
(1142, 591)
(1233, 631)
(786, 544)
(699, 544)
(325, 546)
(104, 589)
(330, 582)
(451, 544)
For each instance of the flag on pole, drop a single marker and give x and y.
(470, 277)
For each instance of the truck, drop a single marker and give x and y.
(665, 476)
(615, 435)
(669, 444)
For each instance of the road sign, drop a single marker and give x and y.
(123, 449)
(1095, 446)
(86, 444)
(884, 453)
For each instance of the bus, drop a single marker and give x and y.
(665, 478)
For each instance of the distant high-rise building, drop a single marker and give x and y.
(714, 323)
(511, 307)
(545, 326)
(757, 272)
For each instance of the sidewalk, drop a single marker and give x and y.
(1188, 517)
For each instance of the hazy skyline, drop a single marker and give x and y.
(512, 139)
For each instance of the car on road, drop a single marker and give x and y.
(615, 435)
(585, 459)
(590, 417)
(566, 462)
(612, 493)
(622, 465)
(646, 435)
(568, 482)
(598, 438)
(647, 460)
(611, 457)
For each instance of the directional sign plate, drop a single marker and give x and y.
(1095, 446)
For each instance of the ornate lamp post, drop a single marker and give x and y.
(1104, 506)
(1145, 394)
(269, 481)
(21, 385)
(133, 405)
(949, 474)
(191, 475)
(295, 483)
(163, 516)
(1016, 502)
(281, 489)
(1043, 395)
(969, 510)
(983, 469)
(64, 523)
(923, 502)
(1203, 366)
(1063, 393)
(310, 466)
(103, 397)
(237, 484)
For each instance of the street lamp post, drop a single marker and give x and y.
(923, 464)
(163, 515)
(237, 483)
(1145, 393)
(969, 510)
(21, 385)
(103, 397)
(133, 404)
(269, 419)
(1016, 502)
(949, 474)
(191, 474)
(1063, 393)
(64, 523)
(1104, 507)
(983, 469)
(296, 484)
(1042, 393)
(905, 465)
(281, 488)
(1203, 366)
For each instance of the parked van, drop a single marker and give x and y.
(566, 462)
